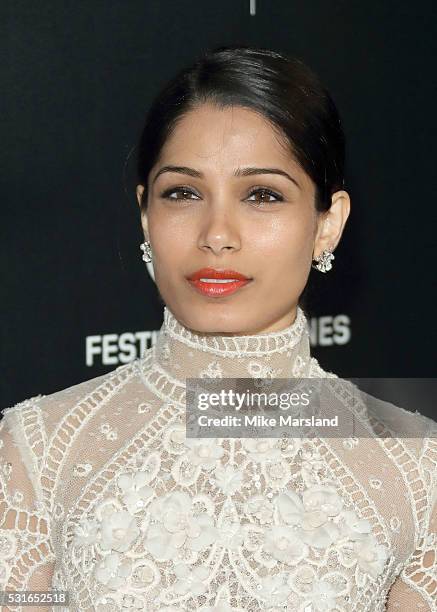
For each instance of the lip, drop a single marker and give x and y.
(217, 273)
(217, 289)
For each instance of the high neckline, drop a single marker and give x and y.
(237, 346)
(180, 352)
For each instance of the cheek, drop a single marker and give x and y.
(169, 240)
(288, 243)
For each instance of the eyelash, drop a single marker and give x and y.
(265, 190)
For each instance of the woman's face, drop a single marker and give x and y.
(214, 213)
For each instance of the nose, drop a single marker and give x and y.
(219, 233)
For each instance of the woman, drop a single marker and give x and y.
(103, 495)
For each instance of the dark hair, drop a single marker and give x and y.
(283, 89)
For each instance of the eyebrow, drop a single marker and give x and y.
(238, 172)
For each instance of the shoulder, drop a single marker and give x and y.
(384, 417)
(35, 418)
(316, 370)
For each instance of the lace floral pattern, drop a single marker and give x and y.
(136, 537)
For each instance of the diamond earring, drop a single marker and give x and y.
(147, 251)
(324, 261)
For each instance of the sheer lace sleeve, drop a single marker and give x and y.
(26, 553)
(416, 586)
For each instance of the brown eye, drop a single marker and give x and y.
(183, 190)
(266, 194)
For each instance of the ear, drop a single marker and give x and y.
(331, 223)
(139, 192)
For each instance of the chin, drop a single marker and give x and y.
(205, 320)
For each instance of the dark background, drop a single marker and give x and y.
(76, 80)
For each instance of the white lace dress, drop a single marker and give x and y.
(103, 495)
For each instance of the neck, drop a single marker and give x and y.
(184, 353)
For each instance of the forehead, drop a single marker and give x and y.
(222, 139)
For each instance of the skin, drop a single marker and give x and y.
(217, 221)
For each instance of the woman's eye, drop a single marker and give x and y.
(265, 196)
(185, 191)
(265, 193)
